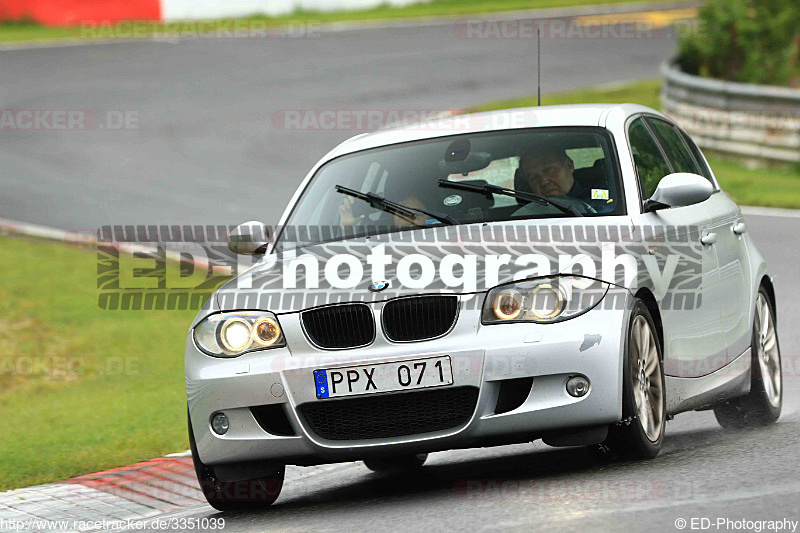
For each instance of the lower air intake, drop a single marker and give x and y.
(391, 415)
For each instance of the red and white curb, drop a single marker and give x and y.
(73, 12)
(77, 12)
(113, 499)
(134, 492)
(14, 227)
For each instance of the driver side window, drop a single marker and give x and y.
(647, 157)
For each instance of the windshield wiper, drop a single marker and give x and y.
(395, 208)
(488, 188)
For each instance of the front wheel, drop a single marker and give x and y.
(396, 464)
(763, 404)
(641, 431)
(240, 495)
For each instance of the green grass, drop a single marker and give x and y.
(11, 31)
(19, 32)
(763, 187)
(642, 92)
(82, 388)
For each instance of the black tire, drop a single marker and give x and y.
(754, 409)
(230, 496)
(401, 463)
(629, 438)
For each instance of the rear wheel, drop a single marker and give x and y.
(240, 495)
(763, 404)
(641, 431)
(399, 463)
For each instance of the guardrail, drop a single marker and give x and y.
(759, 123)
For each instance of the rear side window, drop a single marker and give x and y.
(650, 163)
(677, 152)
(698, 156)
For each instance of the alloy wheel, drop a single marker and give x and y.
(646, 378)
(768, 354)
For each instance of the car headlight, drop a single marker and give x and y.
(232, 334)
(543, 300)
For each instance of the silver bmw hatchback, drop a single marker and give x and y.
(568, 273)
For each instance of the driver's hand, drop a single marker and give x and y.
(346, 217)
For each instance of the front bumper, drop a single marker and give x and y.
(482, 356)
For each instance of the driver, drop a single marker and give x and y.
(549, 172)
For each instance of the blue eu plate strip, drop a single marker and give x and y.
(321, 381)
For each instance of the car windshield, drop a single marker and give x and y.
(442, 181)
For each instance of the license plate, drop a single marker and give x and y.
(383, 377)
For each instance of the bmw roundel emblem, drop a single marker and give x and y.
(379, 286)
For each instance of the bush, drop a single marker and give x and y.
(754, 41)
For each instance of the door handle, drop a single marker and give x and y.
(708, 238)
(739, 228)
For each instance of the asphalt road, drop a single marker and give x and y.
(203, 149)
(702, 471)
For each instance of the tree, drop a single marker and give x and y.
(746, 41)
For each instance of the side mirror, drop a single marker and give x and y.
(679, 190)
(249, 238)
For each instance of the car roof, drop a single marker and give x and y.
(505, 119)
